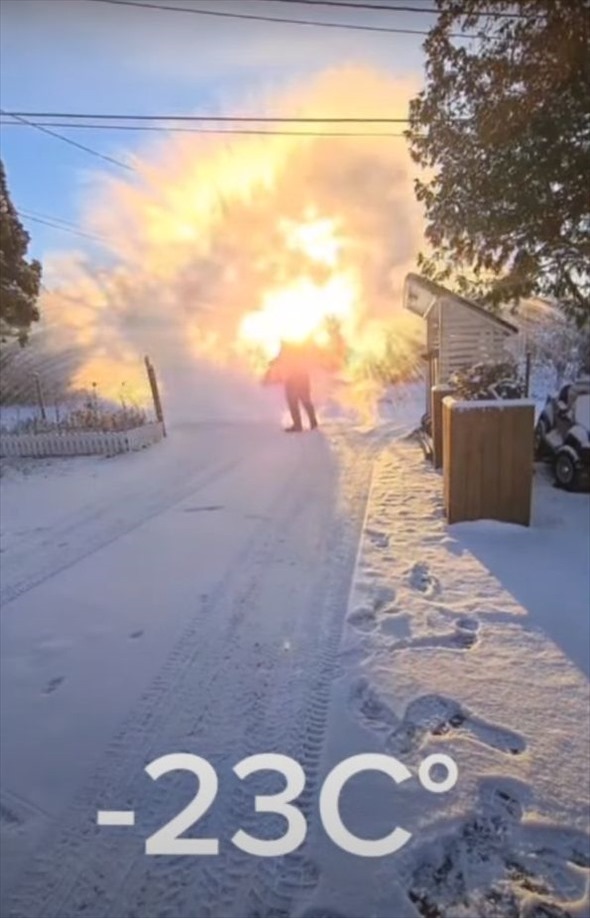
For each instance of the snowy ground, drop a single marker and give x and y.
(234, 591)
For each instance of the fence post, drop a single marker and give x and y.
(437, 394)
(527, 374)
(155, 393)
(40, 400)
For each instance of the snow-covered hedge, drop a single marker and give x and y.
(487, 381)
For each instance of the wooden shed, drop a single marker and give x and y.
(458, 332)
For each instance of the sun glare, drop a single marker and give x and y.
(299, 310)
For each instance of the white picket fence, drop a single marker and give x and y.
(80, 442)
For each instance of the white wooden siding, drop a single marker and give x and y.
(467, 337)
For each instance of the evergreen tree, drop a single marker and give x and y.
(19, 279)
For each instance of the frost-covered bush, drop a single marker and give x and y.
(559, 349)
(564, 347)
(486, 381)
(90, 416)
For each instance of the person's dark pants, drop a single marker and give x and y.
(298, 392)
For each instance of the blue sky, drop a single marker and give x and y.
(77, 56)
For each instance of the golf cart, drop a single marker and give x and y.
(562, 434)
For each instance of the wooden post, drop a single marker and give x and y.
(488, 460)
(40, 399)
(527, 375)
(436, 399)
(155, 393)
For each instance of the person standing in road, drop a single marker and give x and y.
(292, 368)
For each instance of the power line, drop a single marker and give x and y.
(360, 6)
(267, 119)
(73, 143)
(432, 11)
(36, 214)
(65, 229)
(224, 14)
(51, 222)
(215, 131)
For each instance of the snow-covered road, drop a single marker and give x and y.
(192, 602)
(234, 592)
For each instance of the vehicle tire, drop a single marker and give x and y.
(541, 430)
(565, 470)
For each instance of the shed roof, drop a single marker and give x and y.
(438, 291)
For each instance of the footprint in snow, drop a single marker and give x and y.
(136, 634)
(426, 717)
(379, 538)
(436, 715)
(392, 609)
(528, 867)
(463, 637)
(371, 709)
(383, 598)
(363, 619)
(397, 626)
(464, 620)
(423, 581)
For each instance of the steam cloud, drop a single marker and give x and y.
(197, 240)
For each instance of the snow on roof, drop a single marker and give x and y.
(436, 292)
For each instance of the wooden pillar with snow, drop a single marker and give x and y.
(438, 393)
(488, 460)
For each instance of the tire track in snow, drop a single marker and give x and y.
(294, 726)
(181, 885)
(116, 530)
(83, 871)
(63, 873)
(279, 883)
